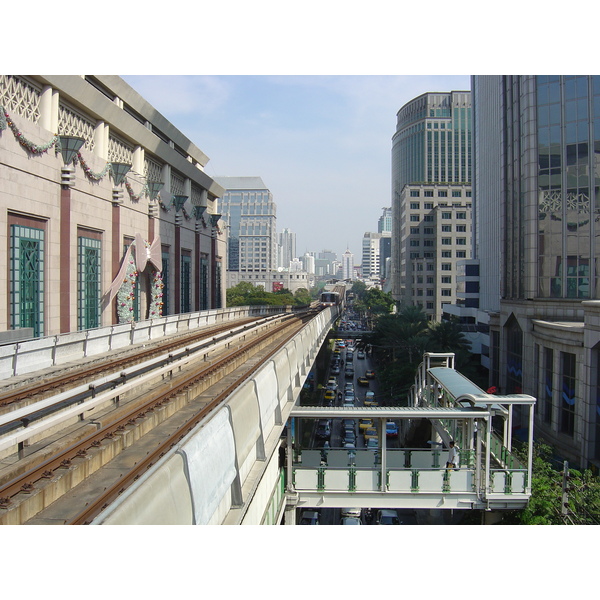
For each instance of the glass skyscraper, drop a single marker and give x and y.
(250, 213)
(431, 145)
(545, 336)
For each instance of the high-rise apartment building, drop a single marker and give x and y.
(370, 255)
(435, 235)
(431, 145)
(250, 212)
(545, 327)
(308, 262)
(384, 227)
(326, 263)
(286, 251)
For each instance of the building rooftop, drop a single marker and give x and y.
(241, 183)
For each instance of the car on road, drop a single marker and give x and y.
(350, 521)
(329, 396)
(370, 399)
(369, 433)
(364, 424)
(335, 370)
(349, 437)
(349, 424)
(372, 444)
(309, 517)
(370, 374)
(362, 381)
(360, 354)
(387, 517)
(351, 512)
(349, 373)
(391, 429)
(323, 431)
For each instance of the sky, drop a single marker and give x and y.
(321, 144)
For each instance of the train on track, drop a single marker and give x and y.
(330, 298)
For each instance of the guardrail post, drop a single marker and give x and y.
(54, 350)
(352, 479)
(320, 479)
(414, 480)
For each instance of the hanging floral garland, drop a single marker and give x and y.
(27, 144)
(89, 173)
(145, 192)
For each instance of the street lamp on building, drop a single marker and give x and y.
(69, 147)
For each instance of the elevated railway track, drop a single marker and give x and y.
(68, 448)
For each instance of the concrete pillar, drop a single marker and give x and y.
(46, 108)
(101, 140)
(138, 160)
(55, 102)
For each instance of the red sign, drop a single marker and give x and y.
(277, 286)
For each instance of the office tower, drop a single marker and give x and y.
(250, 212)
(370, 255)
(431, 145)
(324, 264)
(286, 248)
(384, 224)
(347, 265)
(436, 234)
(545, 336)
(308, 262)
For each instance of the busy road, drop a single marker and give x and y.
(352, 381)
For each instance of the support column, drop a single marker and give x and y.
(46, 108)
(117, 252)
(65, 259)
(488, 441)
(196, 271)
(176, 276)
(138, 160)
(100, 148)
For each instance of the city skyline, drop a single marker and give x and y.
(321, 144)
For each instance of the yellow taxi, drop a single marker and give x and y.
(369, 433)
(364, 424)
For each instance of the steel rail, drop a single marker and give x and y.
(113, 492)
(91, 394)
(154, 399)
(114, 363)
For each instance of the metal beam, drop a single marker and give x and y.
(386, 412)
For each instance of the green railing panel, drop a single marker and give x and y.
(321, 479)
(352, 479)
(414, 481)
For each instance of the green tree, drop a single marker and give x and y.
(302, 296)
(546, 502)
(378, 302)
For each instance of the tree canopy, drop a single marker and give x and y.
(246, 294)
(400, 340)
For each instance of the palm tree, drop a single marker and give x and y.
(447, 336)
